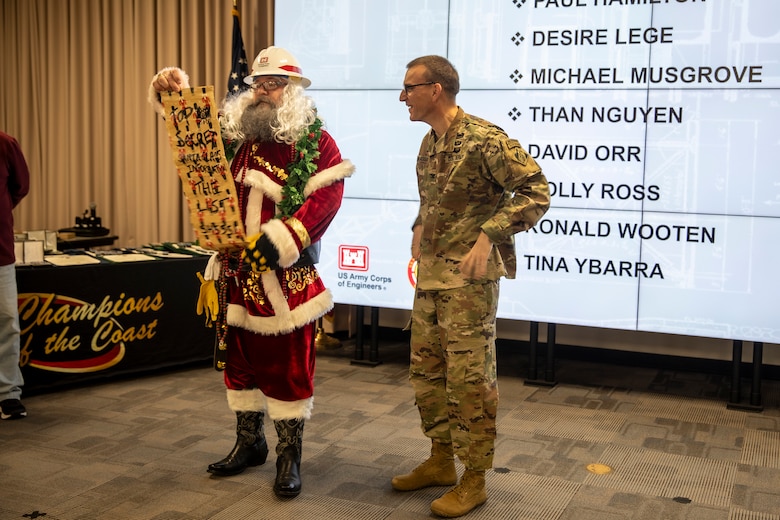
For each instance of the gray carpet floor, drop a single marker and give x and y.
(606, 442)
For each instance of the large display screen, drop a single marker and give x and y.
(656, 122)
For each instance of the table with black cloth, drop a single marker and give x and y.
(98, 321)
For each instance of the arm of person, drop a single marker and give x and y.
(474, 265)
(169, 79)
(416, 240)
(527, 192)
(19, 174)
(323, 196)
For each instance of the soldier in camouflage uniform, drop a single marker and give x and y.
(477, 189)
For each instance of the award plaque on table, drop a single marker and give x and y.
(199, 155)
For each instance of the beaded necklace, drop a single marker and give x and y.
(298, 172)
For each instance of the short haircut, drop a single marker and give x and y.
(439, 70)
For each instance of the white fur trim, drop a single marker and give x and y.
(254, 208)
(213, 268)
(274, 293)
(250, 400)
(263, 186)
(261, 181)
(273, 191)
(285, 320)
(328, 176)
(282, 239)
(285, 410)
(254, 400)
(154, 97)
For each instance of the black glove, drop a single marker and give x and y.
(261, 254)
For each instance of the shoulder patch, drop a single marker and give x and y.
(516, 151)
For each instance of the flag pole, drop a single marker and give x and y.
(238, 63)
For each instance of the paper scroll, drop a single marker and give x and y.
(199, 156)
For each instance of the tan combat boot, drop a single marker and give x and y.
(464, 497)
(438, 470)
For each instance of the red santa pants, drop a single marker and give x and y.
(282, 367)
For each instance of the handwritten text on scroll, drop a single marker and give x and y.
(199, 156)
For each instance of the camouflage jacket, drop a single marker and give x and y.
(474, 178)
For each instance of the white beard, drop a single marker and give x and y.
(257, 122)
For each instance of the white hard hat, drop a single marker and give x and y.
(275, 61)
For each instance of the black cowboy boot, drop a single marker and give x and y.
(250, 448)
(288, 462)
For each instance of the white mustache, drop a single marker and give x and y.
(264, 100)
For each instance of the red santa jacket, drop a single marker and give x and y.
(279, 301)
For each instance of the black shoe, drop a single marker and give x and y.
(12, 409)
(240, 458)
(288, 473)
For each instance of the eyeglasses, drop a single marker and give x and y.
(408, 88)
(268, 85)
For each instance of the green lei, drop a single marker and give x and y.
(230, 146)
(299, 171)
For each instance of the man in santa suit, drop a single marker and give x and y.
(271, 292)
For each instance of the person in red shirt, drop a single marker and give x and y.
(14, 185)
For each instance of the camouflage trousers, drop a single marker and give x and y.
(453, 369)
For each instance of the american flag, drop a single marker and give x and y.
(238, 64)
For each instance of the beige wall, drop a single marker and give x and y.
(74, 82)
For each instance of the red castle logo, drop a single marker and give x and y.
(353, 258)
